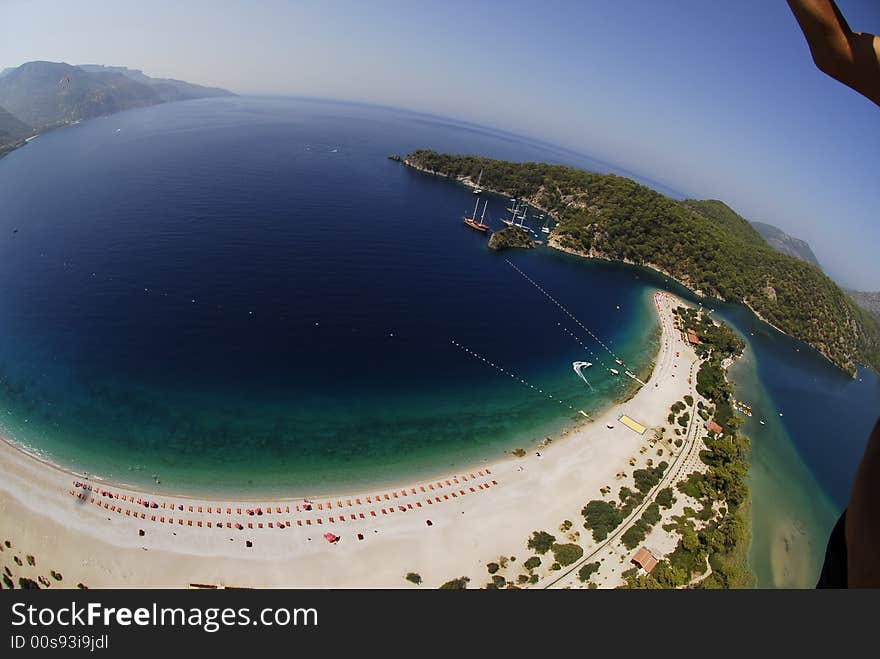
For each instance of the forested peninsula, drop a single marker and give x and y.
(703, 244)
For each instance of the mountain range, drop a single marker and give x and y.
(800, 249)
(781, 241)
(38, 96)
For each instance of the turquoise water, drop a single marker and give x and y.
(246, 295)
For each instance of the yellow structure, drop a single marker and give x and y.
(632, 424)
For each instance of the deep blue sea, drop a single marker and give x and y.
(247, 294)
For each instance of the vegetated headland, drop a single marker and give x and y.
(704, 245)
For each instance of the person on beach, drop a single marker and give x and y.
(852, 58)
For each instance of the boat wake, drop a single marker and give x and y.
(578, 368)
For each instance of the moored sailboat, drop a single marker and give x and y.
(477, 188)
(473, 223)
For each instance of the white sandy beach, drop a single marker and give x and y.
(474, 516)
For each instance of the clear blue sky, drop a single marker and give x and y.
(716, 99)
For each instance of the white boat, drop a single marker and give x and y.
(762, 422)
(477, 188)
(619, 362)
(614, 371)
(518, 211)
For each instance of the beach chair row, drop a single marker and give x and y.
(307, 505)
(158, 517)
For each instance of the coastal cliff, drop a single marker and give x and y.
(705, 246)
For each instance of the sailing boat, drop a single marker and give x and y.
(477, 188)
(473, 223)
(519, 211)
(514, 211)
(522, 219)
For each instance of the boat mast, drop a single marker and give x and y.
(484, 211)
(476, 205)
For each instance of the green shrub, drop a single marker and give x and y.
(567, 554)
(541, 541)
(532, 563)
(665, 498)
(414, 577)
(456, 584)
(602, 517)
(587, 571)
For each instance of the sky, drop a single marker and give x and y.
(715, 99)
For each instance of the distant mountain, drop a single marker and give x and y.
(168, 89)
(782, 242)
(42, 95)
(870, 302)
(47, 94)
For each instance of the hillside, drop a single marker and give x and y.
(726, 217)
(46, 94)
(168, 89)
(870, 302)
(705, 245)
(37, 96)
(782, 242)
(12, 128)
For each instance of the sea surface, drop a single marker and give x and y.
(247, 295)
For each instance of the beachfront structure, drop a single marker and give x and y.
(632, 424)
(645, 559)
(692, 337)
(715, 427)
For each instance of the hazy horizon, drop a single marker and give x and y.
(716, 102)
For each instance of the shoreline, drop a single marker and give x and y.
(439, 529)
(426, 472)
(553, 242)
(424, 469)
